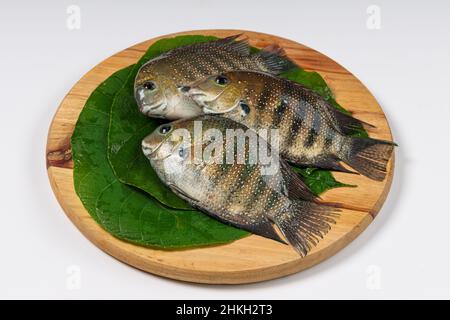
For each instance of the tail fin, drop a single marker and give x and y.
(274, 59)
(369, 156)
(304, 223)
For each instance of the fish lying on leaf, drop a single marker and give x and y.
(241, 192)
(312, 132)
(158, 82)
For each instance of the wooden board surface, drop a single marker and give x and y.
(251, 259)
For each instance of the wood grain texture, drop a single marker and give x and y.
(251, 259)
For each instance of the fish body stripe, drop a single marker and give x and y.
(300, 109)
(254, 198)
(329, 139)
(221, 172)
(264, 97)
(241, 179)
(229, 185)
(296, 126)
(246, 192)
(316, 123)
(311, 138)
(279, 112)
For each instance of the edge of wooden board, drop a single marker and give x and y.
(251, 259)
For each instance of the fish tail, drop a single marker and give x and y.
(274, 59)
(369, 156)
(304, 223)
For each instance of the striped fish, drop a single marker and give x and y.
(158, 82)
(312, 132)
(237, 192)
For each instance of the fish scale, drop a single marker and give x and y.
(311, 131)
(239, 193)
(158, 81)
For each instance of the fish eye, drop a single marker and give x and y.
(149, 85)
(165, 128)
(221, 80)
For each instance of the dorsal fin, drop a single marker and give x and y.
(232, 44)
(274, 59)
(345, 123)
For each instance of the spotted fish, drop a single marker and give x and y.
(312, 131)
(158, 82)
(239, 193)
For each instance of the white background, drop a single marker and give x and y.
(405, 64)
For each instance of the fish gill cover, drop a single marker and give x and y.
(116, 182)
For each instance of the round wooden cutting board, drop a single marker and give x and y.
(253, 258)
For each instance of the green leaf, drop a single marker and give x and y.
(129, 126)
(319, 180)
(122, 210)
(311, 80)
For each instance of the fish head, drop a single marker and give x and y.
(169, 140)
(216, 94)
(159, 96)
(168, 148)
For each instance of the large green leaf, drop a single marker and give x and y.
(128, 128)
(124, 211)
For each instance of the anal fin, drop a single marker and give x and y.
(264, 229)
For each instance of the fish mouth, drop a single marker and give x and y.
(148, 146)
(199, 97)
(208, 110)
(150, 151)
(150, 110)
(192, 92)
(147, 150)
